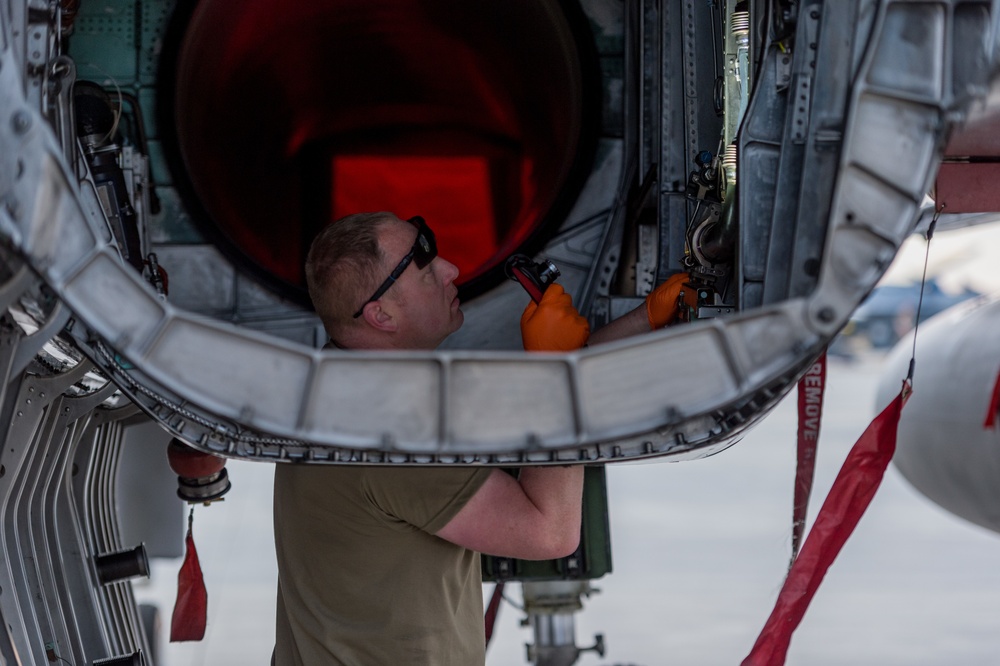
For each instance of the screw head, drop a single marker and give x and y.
(21, 122)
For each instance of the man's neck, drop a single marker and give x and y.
(370, 345)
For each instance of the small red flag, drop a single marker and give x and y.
(493, 609)
(991, 411)
(191, 610)
(849, 497)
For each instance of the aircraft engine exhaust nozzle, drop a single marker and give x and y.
(291, 114)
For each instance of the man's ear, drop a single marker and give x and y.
(377, 317)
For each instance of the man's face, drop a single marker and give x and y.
(423, 301)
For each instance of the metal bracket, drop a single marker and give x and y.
(805, 68)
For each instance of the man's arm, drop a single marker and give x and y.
(629, 324)
(534, 517)
(660, 309)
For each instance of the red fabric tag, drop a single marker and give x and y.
(191, 610)
(849, 497)
(492, 610)
(991, 412)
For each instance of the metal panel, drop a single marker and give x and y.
(364, 399)
(968, 187)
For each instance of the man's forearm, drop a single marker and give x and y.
(629, 324)
(557, 493)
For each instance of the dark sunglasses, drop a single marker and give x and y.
(422, 253)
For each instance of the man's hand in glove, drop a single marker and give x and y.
(661, 304)
(553, 324)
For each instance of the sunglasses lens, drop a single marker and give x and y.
(425, 248)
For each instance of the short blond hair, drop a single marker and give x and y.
(343, 267)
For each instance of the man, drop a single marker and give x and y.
(379, 564)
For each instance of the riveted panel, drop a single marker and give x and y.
(367, 400)
(496, 403)
(262, 382)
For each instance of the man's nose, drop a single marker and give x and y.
(448, 270)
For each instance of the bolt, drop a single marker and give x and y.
(826, 315)
(21, 122)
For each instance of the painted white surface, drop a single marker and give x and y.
(960, 258)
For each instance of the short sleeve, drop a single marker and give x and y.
(426, 498)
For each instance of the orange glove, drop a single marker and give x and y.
(553, 324)
(661, 304)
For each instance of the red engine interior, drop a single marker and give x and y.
(291, 114)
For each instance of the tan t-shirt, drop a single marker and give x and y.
(362, 580)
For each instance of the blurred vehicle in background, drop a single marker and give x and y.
(890, 311)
